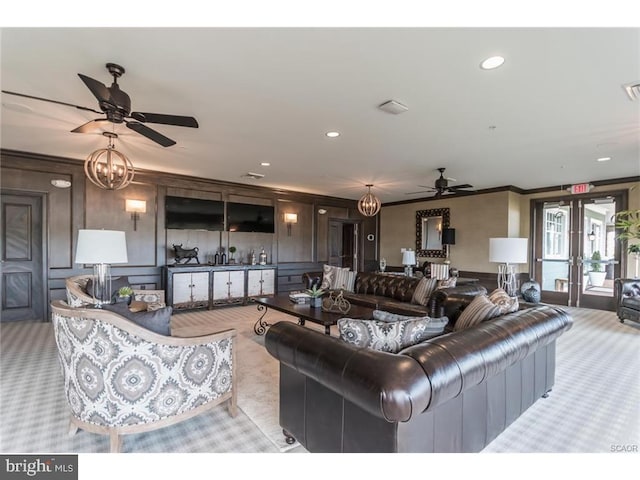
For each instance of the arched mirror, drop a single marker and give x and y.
(429, 226)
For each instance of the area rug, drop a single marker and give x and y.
(258, 372)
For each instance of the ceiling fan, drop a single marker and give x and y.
(116, 105)
(442, 186)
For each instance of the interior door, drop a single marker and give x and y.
(21, 243)
(344, 243)
(577, 256)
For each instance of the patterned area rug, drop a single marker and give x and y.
(594, 406)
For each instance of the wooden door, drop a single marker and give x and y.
(200, 286)
(236, 284)
(21, 284)
(335, 243)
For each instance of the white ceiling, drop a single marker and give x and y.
(270, 94)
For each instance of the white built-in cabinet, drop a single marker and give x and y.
(261, 282)
(228, 286)
(206, 286)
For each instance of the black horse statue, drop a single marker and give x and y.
(185, 253)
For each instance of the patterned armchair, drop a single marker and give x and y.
(121, 378)
(78, 297)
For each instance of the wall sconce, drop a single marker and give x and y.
(135, 207)
(290, 218)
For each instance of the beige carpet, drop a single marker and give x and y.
(257, 371)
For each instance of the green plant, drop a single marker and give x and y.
(595, 258)
(315, 291)
(628, 221)
(232, 250)
(125, 292)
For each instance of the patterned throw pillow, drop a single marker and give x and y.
(479, 310)
(329, 276)
(423, 291)
(505, 303)
(447, 283)
(386, 336)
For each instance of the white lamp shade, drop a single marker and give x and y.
(101, 246)
(408, 257)
(508, 250)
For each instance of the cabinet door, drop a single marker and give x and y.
(236, 284)
(220, 285)
(200, 286)
(181, 287)
(268, 282)
(254, 283)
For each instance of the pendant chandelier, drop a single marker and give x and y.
(369, 205)
(108, 168)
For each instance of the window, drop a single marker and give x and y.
(555, 234)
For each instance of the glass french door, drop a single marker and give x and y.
(577, 256)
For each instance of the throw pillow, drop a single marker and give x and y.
(388, 336)
(505, 303)
(447, 283)
(116, 284)
(158, 321)
(333, 277)
(479, 310)
(426, 286)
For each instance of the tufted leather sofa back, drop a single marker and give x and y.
(398, 287)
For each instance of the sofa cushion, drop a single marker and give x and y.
(158, 321)
(631, 302)
(423, 291)
(502, 299)
(388, 336)
(447, 282)
(479, 310)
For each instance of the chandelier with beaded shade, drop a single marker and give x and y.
(369, 205)
(107, 168)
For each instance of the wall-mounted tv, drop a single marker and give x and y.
(243, 217)
(194, 214)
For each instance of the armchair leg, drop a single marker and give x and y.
(232, 407)
(73, 428)
(115, 441)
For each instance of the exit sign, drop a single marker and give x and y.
(580, 188)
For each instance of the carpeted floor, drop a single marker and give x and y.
(594, 406)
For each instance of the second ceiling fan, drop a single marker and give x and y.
(442, 186)
(116, 105)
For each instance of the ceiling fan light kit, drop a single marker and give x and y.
(107, 168)
(369, 205)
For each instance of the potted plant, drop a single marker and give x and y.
(628, 221)
(316, 296)
(596, 275)
(232, 250)
(124, 295)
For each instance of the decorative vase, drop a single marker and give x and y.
(531, 291)
(316, 302)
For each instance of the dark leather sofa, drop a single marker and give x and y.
(628, 299)
(452, 393)
(393, 293)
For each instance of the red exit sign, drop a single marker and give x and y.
(580, 188)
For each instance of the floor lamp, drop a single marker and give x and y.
(101, 248)
(506, 252)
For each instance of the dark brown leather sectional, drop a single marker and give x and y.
(393, 293)
(453, 393)
(628, 299)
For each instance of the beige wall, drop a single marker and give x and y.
(476, 218)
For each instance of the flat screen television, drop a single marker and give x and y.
(244, 217)
(194, 214)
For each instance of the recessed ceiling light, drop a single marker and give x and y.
(332, 134)
(603, 159)
(265, 164)
(492, 62)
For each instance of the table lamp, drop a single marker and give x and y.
(101, 248)
(409, 261)
(507, 251)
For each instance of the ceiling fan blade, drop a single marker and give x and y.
(176, 120)
(99, 90)
(458, 187)
(150, 134)
(50, 101)
(90, 127)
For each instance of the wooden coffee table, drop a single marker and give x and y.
(304, 313)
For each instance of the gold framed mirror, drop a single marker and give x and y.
(429, 226)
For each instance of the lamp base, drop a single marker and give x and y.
(408, 270)
(507, 279)
(102, 284)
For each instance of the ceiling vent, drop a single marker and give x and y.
(393, 107)
(253, 176)
(632, 90)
